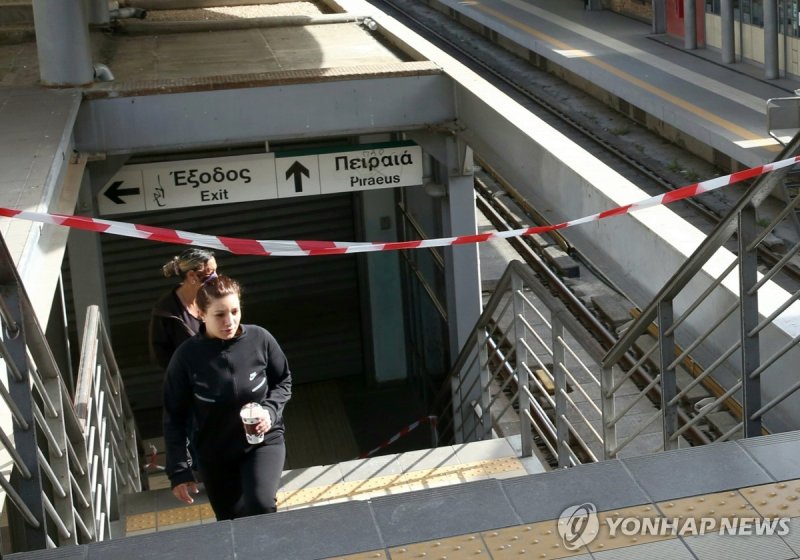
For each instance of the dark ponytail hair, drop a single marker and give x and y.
(216, 288)
(191, 259)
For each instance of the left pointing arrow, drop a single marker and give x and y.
(115, 192)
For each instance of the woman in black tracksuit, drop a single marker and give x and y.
(210, 377)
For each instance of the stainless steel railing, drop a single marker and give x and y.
(66, 469)
(731, 317)
(529, 368)
(106, 418)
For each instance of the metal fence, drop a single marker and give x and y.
(732, 329)
(709, 359)
(529, 368)
(69, 461)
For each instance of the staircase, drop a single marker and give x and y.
(158, 510)
(16, 22)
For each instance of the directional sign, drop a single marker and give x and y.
(179, 184)
(116, 191)
(207, 182)
(124, 193)
(371, 168)
(297, 175)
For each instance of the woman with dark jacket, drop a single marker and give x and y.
(176, 316)
(209, 379)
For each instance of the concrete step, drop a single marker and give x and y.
(16, 22)
(14, 35)
(15, 13)
(360, 479)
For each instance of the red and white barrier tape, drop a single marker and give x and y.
(280, 248)
(404, 432)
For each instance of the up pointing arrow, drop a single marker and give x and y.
(114, 192)
(298, 170)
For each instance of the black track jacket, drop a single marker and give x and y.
(211, 379)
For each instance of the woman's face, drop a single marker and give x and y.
(222, 317)
(209, 269)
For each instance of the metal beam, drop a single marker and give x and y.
(181, 121)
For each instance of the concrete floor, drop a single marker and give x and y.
(157, 49)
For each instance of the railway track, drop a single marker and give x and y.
(645, 159)
(502, 204)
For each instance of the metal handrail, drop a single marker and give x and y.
(512, 332)
(106, 419)
(727, 339)
(715, 240)
(50, 488)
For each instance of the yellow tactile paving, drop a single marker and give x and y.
(605, 540)
(165, 518)
(178, 515)
(140, 522)
(183, 515)
(536, 540)
(503, 465)
(781, 499)
(453, 548)
(401, 482)
(717, 506)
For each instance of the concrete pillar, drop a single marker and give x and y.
(689, 25)
(728, 45)
(659, 16)
(461, 261)
(771, 65)
(98, 12)
(62, 42)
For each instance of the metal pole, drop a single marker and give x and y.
(560, 378)
(608, 413)
(748, 262)
(728, 46)
(669, 386)
(62, 42)
(771, 66)
(689, 25)
(24, 536)
(521, 357)
(659, 16)
(98, 12)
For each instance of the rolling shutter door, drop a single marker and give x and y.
(310, 304)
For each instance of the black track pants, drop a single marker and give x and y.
(248, 486)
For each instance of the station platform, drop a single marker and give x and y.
(722, 107)
(476, 514)
(485, 505)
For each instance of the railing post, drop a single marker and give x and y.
(560, 377)
(608, 412)
(521, 361)
(60, 462)
(24, 536)
(486, 399)
(748, 313)
(669, 388)
(55, 421)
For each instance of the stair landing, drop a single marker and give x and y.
(361, 479)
